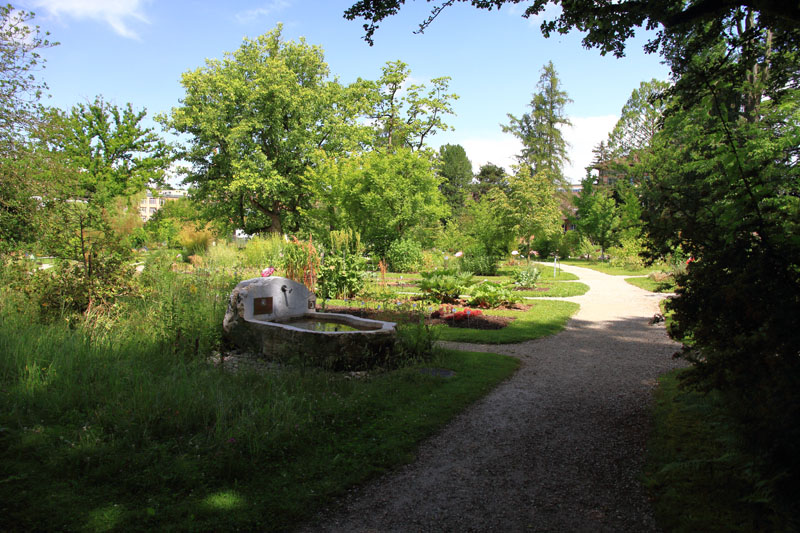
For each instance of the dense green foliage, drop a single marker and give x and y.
(445, 285)
(489, 294)
(384, 196)
(488, 177)
(404, 255)
(597, 217)
(255, 121)
(113, 152)
(725, 190)
(456, 170)
(343, 268)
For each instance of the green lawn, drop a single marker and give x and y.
(698, 479)
(556, 289)
(560, 275)
(607, 268)
(545, 317)
(652, 285)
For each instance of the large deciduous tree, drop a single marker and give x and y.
(534, 204)
(407, 115)
(608, 25)
(383, 196)
(22, 169)
(257, 120)
(113, 153)
(725, 187)
(640, 119)
(20, 90)
(544, 148)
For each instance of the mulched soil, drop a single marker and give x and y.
(481, 321)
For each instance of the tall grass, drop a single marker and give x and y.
(119, 422)
(264, 251)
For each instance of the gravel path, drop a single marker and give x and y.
(558, 447)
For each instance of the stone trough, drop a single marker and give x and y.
(276, 318)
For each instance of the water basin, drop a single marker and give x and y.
(313, 324)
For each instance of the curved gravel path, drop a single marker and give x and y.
(558, 447)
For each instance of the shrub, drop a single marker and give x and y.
(195, 240)
(404, 255)
(452, 238)
(432, 259)
(415, 342)
(71, 288)
(445, 285)
(627, 254)
(527, 277)
(489, 294)
(479, 262)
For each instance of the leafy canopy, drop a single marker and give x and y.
(257, 121)
(110, 149)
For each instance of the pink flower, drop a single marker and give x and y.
(267, 272)
(691, 259)
(515, 252)
(459, 254)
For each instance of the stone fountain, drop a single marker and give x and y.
(276, 318)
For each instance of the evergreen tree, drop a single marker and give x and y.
(456, 170)
(544, 148)
(488, 177)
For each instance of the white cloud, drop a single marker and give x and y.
(271, 7)
(117, 13)
(500, 150)
(582, 137)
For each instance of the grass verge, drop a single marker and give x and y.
(698, 479)
(561, 275)
(651, 285)
(545, 317)
(607, 268)
(121, 435)
(556, 289)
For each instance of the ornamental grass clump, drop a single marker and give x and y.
(301, 261)
(445, 285)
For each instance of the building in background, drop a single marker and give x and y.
(155, 201)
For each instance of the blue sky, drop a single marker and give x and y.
(136, 50)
